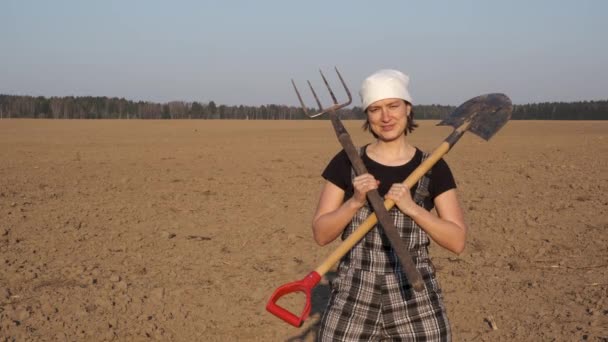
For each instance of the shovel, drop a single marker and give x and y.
(483, 115)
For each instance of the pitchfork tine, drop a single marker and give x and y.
(333, 97)
(350, 98)
(316, 97)
(299, 97)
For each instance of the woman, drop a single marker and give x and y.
(371, 298)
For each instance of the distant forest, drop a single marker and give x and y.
(88, 107)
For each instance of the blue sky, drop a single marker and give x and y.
(246, 52)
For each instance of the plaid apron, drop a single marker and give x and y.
(371, 298)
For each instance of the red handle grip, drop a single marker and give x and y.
(305, 285)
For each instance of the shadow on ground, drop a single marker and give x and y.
(319, 299)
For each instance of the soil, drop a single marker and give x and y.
(181, 230)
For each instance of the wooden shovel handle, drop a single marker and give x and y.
(371, 221)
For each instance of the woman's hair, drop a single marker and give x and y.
(409, 128)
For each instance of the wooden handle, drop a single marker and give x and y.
(371, 221)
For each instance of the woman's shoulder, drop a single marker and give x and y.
(340, 158)
(440, 166)
(441, 177)
(337, 170)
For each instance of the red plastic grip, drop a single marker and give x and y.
(305, 285)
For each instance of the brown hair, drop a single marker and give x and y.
(409, 128)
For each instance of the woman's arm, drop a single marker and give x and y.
(448, 229)
(333, 214)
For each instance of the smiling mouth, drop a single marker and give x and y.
(388, 128)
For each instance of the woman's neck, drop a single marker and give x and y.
(391, 153)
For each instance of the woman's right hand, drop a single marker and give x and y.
(362, 184)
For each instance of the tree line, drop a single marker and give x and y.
(89, 107)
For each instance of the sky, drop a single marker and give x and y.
(246, 52)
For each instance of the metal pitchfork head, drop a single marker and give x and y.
(322, 110)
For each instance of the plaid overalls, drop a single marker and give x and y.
(371, 298)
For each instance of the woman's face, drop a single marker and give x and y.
(388, 118)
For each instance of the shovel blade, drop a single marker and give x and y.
(486, 114)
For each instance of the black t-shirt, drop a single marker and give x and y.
(338, 172)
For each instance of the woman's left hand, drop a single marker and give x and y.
(400, 194)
